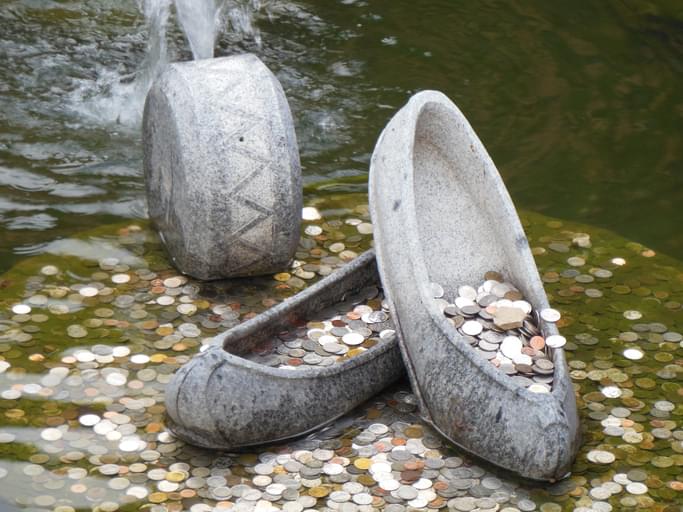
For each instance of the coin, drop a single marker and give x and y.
(120, 278)
(633, 354)
(550, 315)
(21, 309)
(174, 282)
(472, 328)
(310, 213)
(88, 291)
(353, 338)
(89, 420)
(365, 228)
(636, 488)
(555, 341)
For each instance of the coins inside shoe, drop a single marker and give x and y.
(502, 327)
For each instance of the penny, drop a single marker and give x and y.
(537, 342)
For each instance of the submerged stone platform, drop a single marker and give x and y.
(83, 416)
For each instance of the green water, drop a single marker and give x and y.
(578, 104)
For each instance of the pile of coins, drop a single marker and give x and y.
(85, 357)
(343, 331)
(502, 327)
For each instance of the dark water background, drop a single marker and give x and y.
(579, 104)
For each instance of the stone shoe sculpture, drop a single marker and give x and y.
(222, 170)
(223, 401)
(443, 215)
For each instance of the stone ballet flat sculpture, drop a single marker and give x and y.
(443, 215)
(222, 171)
(222, 401)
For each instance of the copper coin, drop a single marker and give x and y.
(537, 342)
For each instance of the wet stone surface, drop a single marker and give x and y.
(87, 345)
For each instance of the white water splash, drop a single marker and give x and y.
(156, 12)
(199, 20)
(119, 99)
(239, 15)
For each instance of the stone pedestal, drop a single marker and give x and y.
(222, 171)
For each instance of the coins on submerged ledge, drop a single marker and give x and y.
(503, 328)
(83, 416)
(339, 333)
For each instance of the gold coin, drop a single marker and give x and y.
(413, 432)
(646, 383)
(366, 480)
(176, 476)
(164, 330)
(362, 463)
(157, 497)
(149, 324)
(662, 462)
(248, 459)
(39, 458)
(318, 492)
(354, 352)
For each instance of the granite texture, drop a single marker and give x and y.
(222, 170)
(442, 214)
(222, 401)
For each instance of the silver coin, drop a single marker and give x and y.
(436, 290)
(472, 328)
(550, 315)
(555, 341)
(353, 339)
